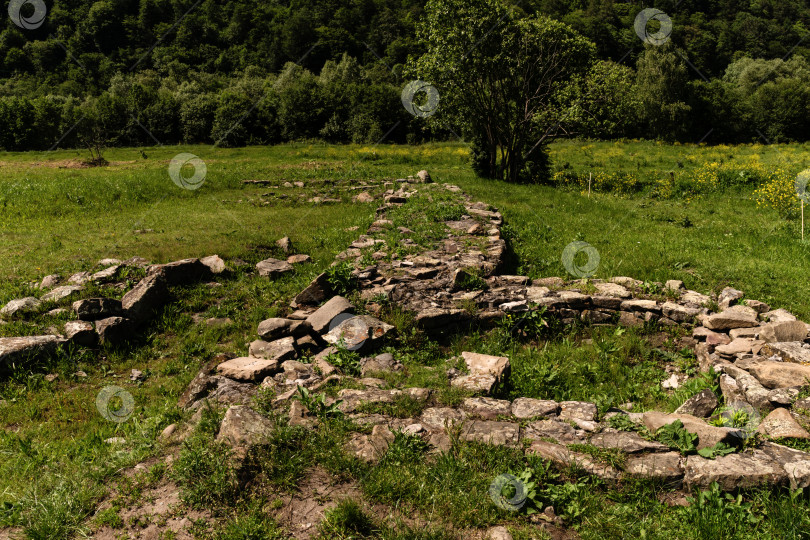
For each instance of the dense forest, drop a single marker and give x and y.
(141, 72)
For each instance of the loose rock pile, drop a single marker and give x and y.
(761, 355)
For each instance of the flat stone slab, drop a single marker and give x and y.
(580, 410)
(491, 432)
(627, 441)
(486, 364)
(781, 424)
(788, 351)
(785, 331)
(525, 408)
(248, 368)
(20, 306)
(481, 383)
(734, 471)
(91, 309)
(273, 268)
(733, 317)
(323, 316)
(115, 330)
(487, 408)
(61, 293)
(278, 350)
(14, 350)
(358, 333)
(181, 272)
(554, 429)
(145, 297)
(438, 418)
(708, 436)
(780, 374)
(274, 328)
(666, 466)
(244, 427)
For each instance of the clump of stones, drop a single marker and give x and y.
(762, 354)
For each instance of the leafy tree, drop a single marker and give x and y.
(663, 93)
(500, 76)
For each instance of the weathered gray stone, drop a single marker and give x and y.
(612, 289)
(778, 315)
(15, 350)
(752, 332)
(243, 428)
(496, 366)
(370, 448)
(360, 333)
(275, 328)
(755, 393)
(554, 429)
(780, 424)
(708, 436)
(438, 418)
(181, 272)
(731, 391)
(487, 408)
(734, 471)
(780, 374)
(694, 298)
(580, 410)
(737, 346)
(791, 351)
(81, 333)
(480, 383)
(674, 285)
(667, 466)
(701, 404)
(783, 331)
(641, 305)
(20, 306)
(49, 281)
(380, 363)
(278, 350)
(273, 268)
(733, 317)
(108, 274)
(679, 313)
(323, 316)
(145, 297)
(315, 293)
(299, 259)
(491, 432)
(215, 264)
(91, 309)
(61, 293)
(115, 330)
(728, 297)
(249, 369)
(525, 408)
(784, 397)
(626, 441)
(79, 278)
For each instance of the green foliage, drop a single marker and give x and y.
(716, 514)
(340, 278)
(500, 74)
(316, 404)
(677, 437)
(347, 521)
(719, 449)
(204, 469)
(348, 362)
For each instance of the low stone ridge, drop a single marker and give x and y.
(761, 354)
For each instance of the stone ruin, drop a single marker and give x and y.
(761, 354)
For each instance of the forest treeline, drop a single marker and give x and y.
(125, 71)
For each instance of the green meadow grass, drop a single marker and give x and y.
(56, 465)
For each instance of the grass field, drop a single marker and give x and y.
(59, 217)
